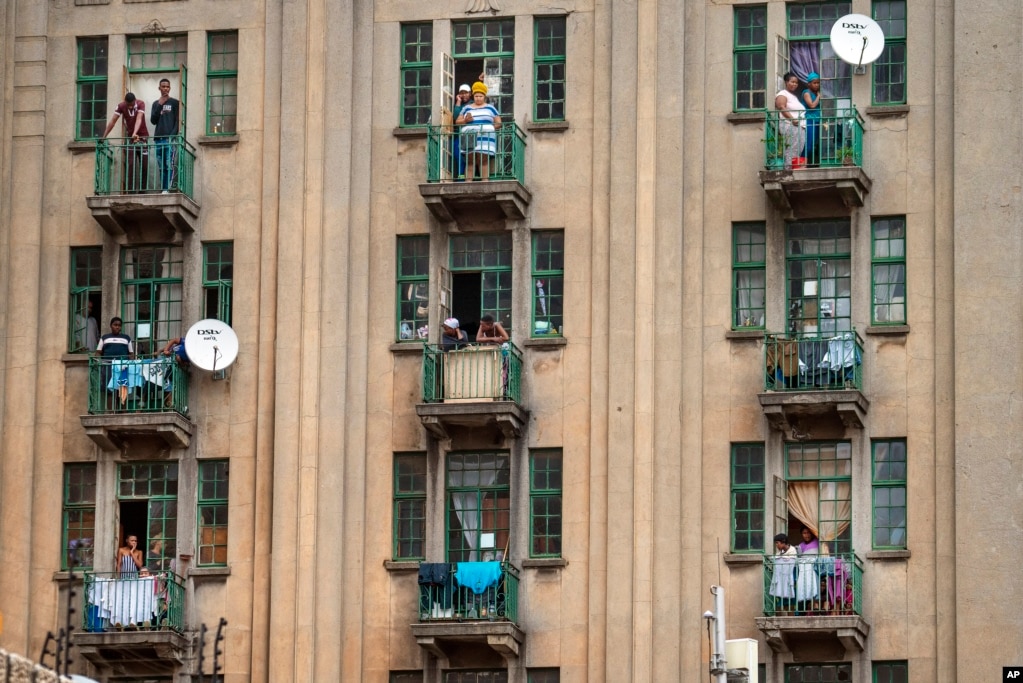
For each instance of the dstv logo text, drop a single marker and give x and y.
(856, 26)
(205, 332)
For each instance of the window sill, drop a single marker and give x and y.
(409, 133)
(887, 329)
(545, 563)
(889, 555)
(739, 559)
(401, 565)
(75, 358)
(213, 573)
(900, 111)
(542, 343)
(82, 146)
(64, 576)
(547, 126)
(409, 347)
(741, 117)
(743, 335)
(218, 140)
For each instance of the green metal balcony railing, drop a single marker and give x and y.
(804, 362)
(829, 141)
(144, 385)
(813, 585)
(150, 166)
(447, 146)
(475, 373)
(139, 601)
(444, 598)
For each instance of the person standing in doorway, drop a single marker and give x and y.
(132, 113)
(166, 119)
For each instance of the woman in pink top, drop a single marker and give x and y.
(791, 123)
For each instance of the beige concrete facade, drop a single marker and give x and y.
(644, 393)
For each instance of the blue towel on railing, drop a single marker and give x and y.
(478, 576)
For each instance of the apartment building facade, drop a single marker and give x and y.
(709, 343)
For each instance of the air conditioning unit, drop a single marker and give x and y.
(741, 658)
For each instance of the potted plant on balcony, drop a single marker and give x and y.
(848, 155)
(774, 151)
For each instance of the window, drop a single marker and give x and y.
(890, 68)
(222, 83)
(819, 490)
(416, 73)
(750, 57)
(491, 44)
(478, 506)
(817, 673)
(413, 298)
(217, 280)
(212, 513)
(147, 494)
(889, 472)
(406, 677)
(809, 33)
(819, 277)
(91, 117)
(79, 515)
(160, 52)
(748, 498)
(749, 275)
(548, 282)
(409, 506)
(545, 675)
(888, 270)
(479, 676)
(549, 69)
(891, 672)
(545, 503)
(151, 295)
(481, 271)
(84, 299)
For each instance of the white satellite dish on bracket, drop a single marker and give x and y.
(211, 345)
(858, 40)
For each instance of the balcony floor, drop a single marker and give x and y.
(786, 409)
(809, 192)
(111, 431)
(140, 651)
(480, 201)
(438, 638)
(507, 416)
(129, 213)
(821, 637)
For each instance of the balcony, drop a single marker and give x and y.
(137, 621)
(815, 182)
(450, 197)
(478, 386)
(810, 376)
(813, 606)
(131, 398)
(484, 611)
(130, 182)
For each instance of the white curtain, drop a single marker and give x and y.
(467, 503)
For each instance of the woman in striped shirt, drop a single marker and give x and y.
(479, 121)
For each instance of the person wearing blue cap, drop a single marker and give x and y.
(812, 102)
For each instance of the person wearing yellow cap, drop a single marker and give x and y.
(479, 121)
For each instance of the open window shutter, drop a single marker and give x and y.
(183, 97)
(781, 506)
(445, 293)
(782, 62)
(447, 118)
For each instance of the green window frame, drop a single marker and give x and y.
(478, 492)
(212, 513)
(749, 275)
(416, 74)
(91, 88)
(156, 483)
(217, 280)
(888, 270)
(86, 284)
(222, 83)
(814, 20)
(412, 289)
(79, 519)
(818, 673)
(409, 506)
(748, 493)
(890, 672)
(157, 52)
(545, 502)
(151, 294)
(493, 42)
(550, 674)
(548, 291)
(749, 57)
(888, 468)
(405, 677)
(549, 56)
(818, 268)
(829, 464)
(490, 255)
(811, 22)
(889, 71)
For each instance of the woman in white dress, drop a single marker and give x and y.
(791, 121)
(783, 587)
(808, 583)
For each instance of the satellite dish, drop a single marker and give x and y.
(857, 39)
(211, 345)
(77, 678)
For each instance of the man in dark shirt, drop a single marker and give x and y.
(165, 116)
(113, 346)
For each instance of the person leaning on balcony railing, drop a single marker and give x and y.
(132, 113)
(783, 576)
(452, 338)
(479, 121)
(491, 332)
(115, 345)
(791, 123)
